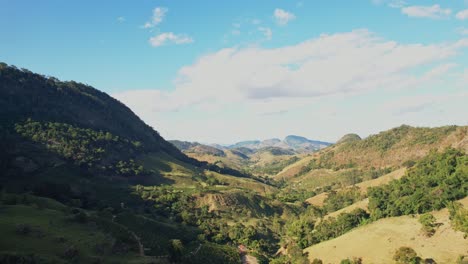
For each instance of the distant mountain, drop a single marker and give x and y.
(246, 144)
(195, 147)
(295, 143)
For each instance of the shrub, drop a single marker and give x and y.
(458, 217)
(428, 224)
(462, 260)
(317, 261)
(406, 255)
(176, 250)
(351, 261)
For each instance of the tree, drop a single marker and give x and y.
(176, 249)
(406, 255)
(428, 222)
(458, 217)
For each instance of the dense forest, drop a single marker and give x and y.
(430, 185)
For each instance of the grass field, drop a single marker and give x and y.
(378, 241)
(51, 237)
(330, 176)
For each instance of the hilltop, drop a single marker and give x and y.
(400, 146)
(296, 143)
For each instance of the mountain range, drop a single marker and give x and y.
(296, 143)
(84, 180)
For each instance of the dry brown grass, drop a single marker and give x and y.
(320, 198)
(394, 175)
(402, 151)
(361, 204)
(293, 169)
(378, 241)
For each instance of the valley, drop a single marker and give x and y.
(85, 180)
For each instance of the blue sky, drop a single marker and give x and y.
(223, 71)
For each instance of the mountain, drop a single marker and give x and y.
(194, 147)
(393, 148)
(295, 143)
(303, 144)
(245, 144)
(46, 99)
(84, 180)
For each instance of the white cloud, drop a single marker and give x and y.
(121, 19)
(418, 103)
(169, 37)
(321, 88)
(157, 18)
(397, 3)
(283, 17)
(434, 11)
(266, 32)
(462, 15)
(331, 64)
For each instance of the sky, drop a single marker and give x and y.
(227, 71)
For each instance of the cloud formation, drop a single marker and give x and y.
(169, 37)
(462, 15)
(338, 64)
(283, 17)
(433, 12)
(157, 18)
(320, 88)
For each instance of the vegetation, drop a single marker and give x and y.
(406, 255)
(334, 227)
(428, 222)
(337, 200)
(458, 217)
(84, 180)
(85, 147)
(433, 182)
(351, 261)
(386, 140)
(274, 167)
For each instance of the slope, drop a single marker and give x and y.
(378, 241)
(78, 147)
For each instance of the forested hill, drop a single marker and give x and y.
(24, 95)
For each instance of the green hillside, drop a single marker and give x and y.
(84, 180)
